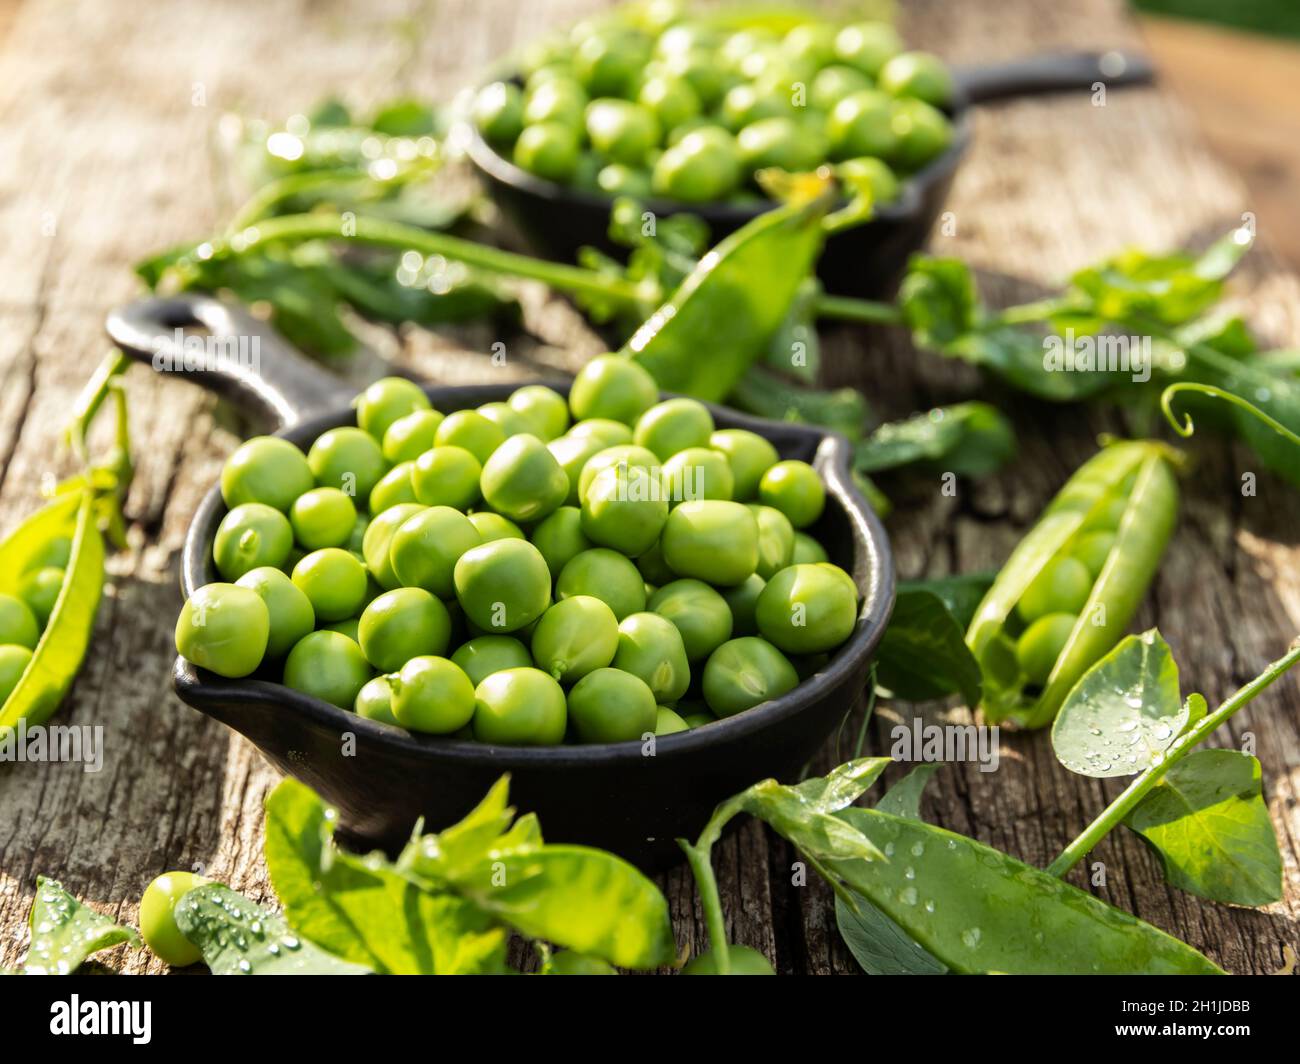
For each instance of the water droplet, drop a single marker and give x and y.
(971, 937)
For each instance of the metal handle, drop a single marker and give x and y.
(1068, 72)
(225, 349)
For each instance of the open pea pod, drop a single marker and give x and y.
(1112, 521)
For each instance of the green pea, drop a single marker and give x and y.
(619, 179)
(697, 473)
(14, 660)
(224, 629)
(424, 549)
(503, 585)
(611, 706)
(18, 624)
(918, 74)
(741, 959)
(324, 517)
(394, 487)
(921, 131)
(670, 99)
(862, 124)
(334, 581)
(699, 69)
(549, 150)
(1107, 516)
(673, 426)
(697, 169)
(555, 103)
(357, 537)
(507, 418)
(349, 459)
(378, 538)
(651, 647)
(409, 437)
(385, 401)
(560, 538)
(470, 430)
(624, 508)
(572, 452)
(433, 695)
(612, 387)
(745, 104)
(375, 701)
(492, 526)
(711, 540)
(349, 626)
(483, 655)
(609, 63)
(447, 475)
(775, 540)
(697, 719)
(402, 624)
(807, 550)
(288, 608)
(628, 455)
(667, 722)
(807, 609)
(796, 489)
(782, 142)
(265, 469)
(834, 83)
(653, 568)
(522, 480)
(609, 433)
(874, 175)
(158, 920)
(543, 408)
(868, 46)
(622, 132)
(566, 962)
(498, 112)
(813, 42)
(744, 672)
(701, 615)
(606, 575)
(251, 535)
(519, 707)
(749, 455)
(574, 637)
(1093, 548)
(1062, 586)
(40, 589)
(1041, 644)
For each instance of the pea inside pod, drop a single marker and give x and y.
(1070, 588)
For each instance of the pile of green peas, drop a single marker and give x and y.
(528, 572)
(693, 111)
(24, 616)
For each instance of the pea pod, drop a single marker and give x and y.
(1127, 491)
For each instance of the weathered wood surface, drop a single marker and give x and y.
(107, 158)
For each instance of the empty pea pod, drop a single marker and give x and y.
(1111, 521)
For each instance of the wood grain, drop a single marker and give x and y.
(109, 160)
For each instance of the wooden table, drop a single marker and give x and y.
(108, 114)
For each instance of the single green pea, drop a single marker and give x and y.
(651, 647)
(335, 582)
(549, 150)
(611, 706)
(697, 473)
(288, 608)
(483, 655)
(522, 480)
(796, 489)
(224, 629)
(835, 83)
(349, 626)
(921, 132)
(1041, 644)
(394, 487)
(409, 437)
(375, 701)
(868, 46)
(560, 538)
(653, 568)
(324, 517)
(1093, 548)
(555, 102)
(572, 452)
(402, 624)
(612, 387)
(433, 695)
(775, 540)
(349, 459)
(811, 41)
(447, 475)
(674, 425)
(629, 455)
(807, 550)
(507, 418)
(681, 37)
(498, 112)
(711, 540)
(699, 69)
(587, 171)
(621, 131)
(520, 707)
(56, 552)
(741, 959)
(620, 179)
(268, 470)
(749, 455)
(158, 919)
(610, 63)
(472, 431)
(745, 104)
(574, 637)
(606, 575)
(425, 548)
(1107, 516)
(744, 672)
(503, 585)
(357, 537)
(387, 400)
(377, 541)
(807, 609)
(782, 142)
(492, 526)
(862, 124)
(624, 508)
(14, 660)
(566, 962)
(697, 169)
(699, 716)
(917, 74)
(251, 535)
(18, 624)
(667, 722)
(670, 99)
(40, 589)
(701, 615)
(329, 666)
(543, 408)
(742, 600)
(873, 175)
(1062, 586)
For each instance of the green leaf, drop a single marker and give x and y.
(65, 932)
(240, 937)
(904, 797)
(761, 392)
(977, 909)
(1208, 822)
(923, 654)
(1124, 712)
(969, 439)
(961, 593)
(1020, 358)
(444, 856)
(938, 300)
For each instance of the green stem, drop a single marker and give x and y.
(700, 859)
(1185, 427)
(92, 397)
(863, 311)
(1115, 813)
(1028, 313)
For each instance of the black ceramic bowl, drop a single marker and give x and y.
(608, 795)
(863, 261)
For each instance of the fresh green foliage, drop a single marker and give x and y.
(923, 654)
(65, 932)
(961, 593)
(969, 439)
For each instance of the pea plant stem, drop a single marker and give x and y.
(1115, 813)
(862, 311)
(700, 858)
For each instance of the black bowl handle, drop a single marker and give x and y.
(1068, 72)
(228, 351)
